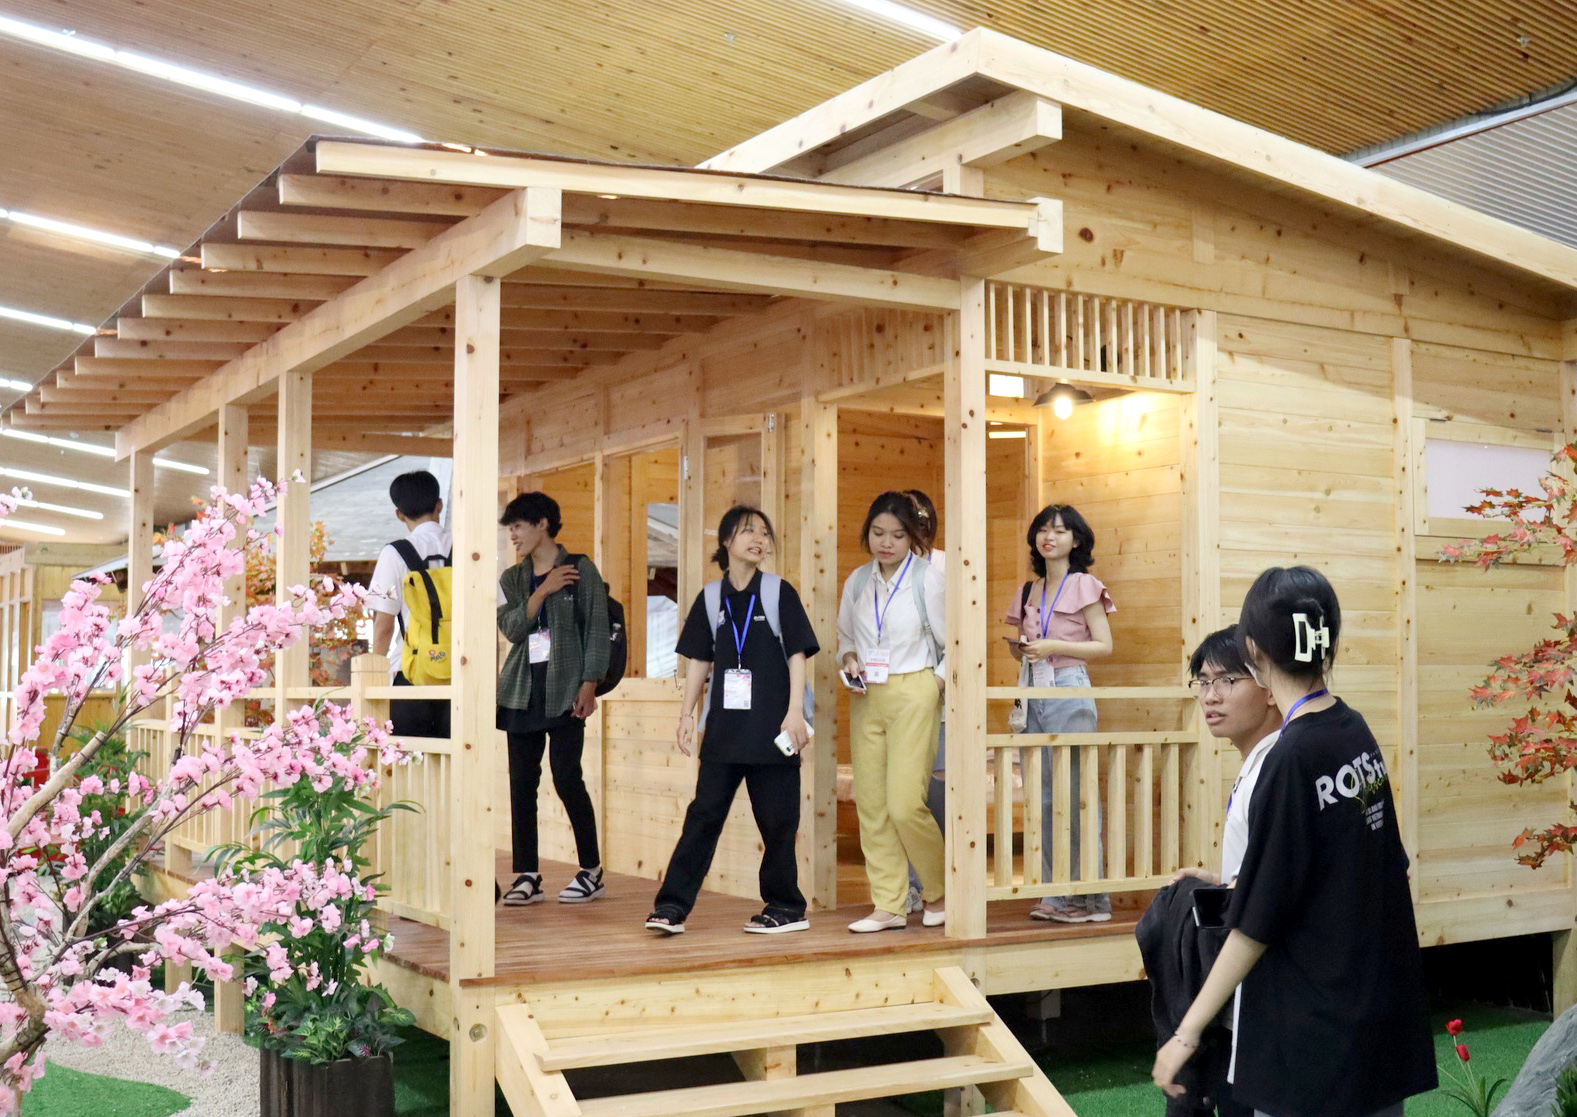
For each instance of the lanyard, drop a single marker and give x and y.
(739, 637)
(1045, 617)
(881, 611)
(1298, 705)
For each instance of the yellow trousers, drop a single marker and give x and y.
(893, 744)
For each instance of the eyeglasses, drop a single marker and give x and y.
(1221, 684)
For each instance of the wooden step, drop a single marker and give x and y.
(680, 1041)
(737, 1099)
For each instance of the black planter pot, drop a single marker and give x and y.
(347, 1088)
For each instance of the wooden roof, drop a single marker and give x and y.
(630, 257)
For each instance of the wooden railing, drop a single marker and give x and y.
(1136, 791)
(410, 853)
(1093, 339)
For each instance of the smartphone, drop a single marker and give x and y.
(853, 682)
(785, 743)
(1210, 905)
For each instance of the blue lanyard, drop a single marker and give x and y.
(881, 611)
(739, 637)
(1298, 705)
(1045, 617)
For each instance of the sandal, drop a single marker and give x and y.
(667, 920)
(775, 923)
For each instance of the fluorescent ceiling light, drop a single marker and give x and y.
(196, 79)
(82, 232)
(10, 385)
(1007, 434)
(45, 320)
(63, 482)
(909, 18)
(1005, 384)
(96, 450)
(24, 525)
(63, 509)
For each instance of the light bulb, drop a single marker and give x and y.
(1062, 404)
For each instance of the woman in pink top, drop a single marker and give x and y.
(1061, 623)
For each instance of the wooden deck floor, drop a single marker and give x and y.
(549, 942)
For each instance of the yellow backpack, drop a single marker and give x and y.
(426, 592)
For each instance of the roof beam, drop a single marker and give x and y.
(542, 358)
(517, 229)
(592, 321)
(311, 228)
(910, 84)
(1010, 126)
(427, 336)
(124, 366)
(321, 288)
(337, 157)
(226, 310)
(518, 296)
(438, 371)
(168, 350)
(749, 271)
(385, 195)
(299, 260)
(191, 329)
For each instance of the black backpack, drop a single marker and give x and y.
(618, 643)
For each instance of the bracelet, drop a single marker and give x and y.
(1178, 1037)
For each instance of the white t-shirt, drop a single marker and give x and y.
(1234, 835)
(383, 591)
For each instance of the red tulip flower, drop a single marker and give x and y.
(1454, 1028)
(1462, 1052)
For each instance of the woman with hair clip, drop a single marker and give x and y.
(1330, 1017)
(891, 637)
(1060, 621)
(936, 789)
(748, 634)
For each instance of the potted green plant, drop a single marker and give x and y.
(325, 1034)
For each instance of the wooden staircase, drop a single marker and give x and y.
(981, 1058)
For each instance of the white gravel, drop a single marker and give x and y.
(229, 1091)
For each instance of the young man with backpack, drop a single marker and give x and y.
(409, 599)
(554, 613)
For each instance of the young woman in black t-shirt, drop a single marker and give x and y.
(757, 696)
(1331, 1019)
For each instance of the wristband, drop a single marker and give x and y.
(1177, 1036)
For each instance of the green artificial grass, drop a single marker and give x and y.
(68, 1093)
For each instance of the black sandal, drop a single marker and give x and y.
(668, 920)
(775, 923)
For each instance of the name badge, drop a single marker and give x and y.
(878, 662)
(538, 644)
(736, 689)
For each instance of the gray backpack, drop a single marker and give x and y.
(771, 604)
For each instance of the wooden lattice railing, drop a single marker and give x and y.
(1036, 331)
(1136, 789)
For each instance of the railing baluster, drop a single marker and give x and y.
(1002, 795)
(1144, 814)
(1171, 814)
(1062, 329)
(1032, 762)
(991, 321)
(1117, 811)
(1062, 830)
(1089, 792)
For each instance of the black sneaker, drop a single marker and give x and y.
(527, 889)
(586, 887)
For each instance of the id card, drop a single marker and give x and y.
(877, 663)
(736, 689)
(539, 644)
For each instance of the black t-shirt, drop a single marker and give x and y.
(1333, 1019)
(745, 736)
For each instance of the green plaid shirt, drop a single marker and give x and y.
(577, 619)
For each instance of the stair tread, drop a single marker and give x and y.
(670, 1041)
(735, 1099)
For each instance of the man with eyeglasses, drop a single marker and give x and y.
(1239, 709)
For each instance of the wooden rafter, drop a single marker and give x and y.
(298, 259)
(227, 310)
(190, 281)
(508, 235)
(168, 350)
(177, 329)
(311, 228)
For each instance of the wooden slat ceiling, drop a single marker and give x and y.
(665, 81)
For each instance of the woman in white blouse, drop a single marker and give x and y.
(890, 638)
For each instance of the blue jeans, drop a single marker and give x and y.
(1062, 715)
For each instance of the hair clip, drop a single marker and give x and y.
(1308, 639)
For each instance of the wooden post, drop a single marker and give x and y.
(292, 565)
(965, 488)
(474, 655)
(818, 587)
(229, 1000)
(1404, 787)
(1200, 461)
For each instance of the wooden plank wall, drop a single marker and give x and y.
(1466, 619)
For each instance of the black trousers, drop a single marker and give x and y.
(564, 745)
(774, 799)
(424, 717)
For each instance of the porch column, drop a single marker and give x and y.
(474, 655)
(139, 531)
(292, 557)
(965, 486)
(818, 585)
